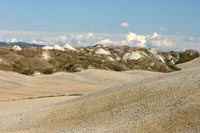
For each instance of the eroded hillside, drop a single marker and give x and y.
(50, 59)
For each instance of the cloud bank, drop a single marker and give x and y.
(154, 40)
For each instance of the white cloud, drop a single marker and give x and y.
(35, 41)
(13, 40)
(155, 35)
(163, 29)
(137, 40)
(56, 40)
(105, 41)
(90, 35)
(185, 42)
(161, 41)
(124, 24)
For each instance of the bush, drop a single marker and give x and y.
(117, 68)
(174, 68)
(188, 55)
(28, 72)
(48, 71)
(74, 68)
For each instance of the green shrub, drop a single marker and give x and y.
(28, 72)
(187, 56)
(173, 67)
(48, 71)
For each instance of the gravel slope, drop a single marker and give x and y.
(163, 103)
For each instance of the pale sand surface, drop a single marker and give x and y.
(134, 101)
(31, 104)
(17, 86)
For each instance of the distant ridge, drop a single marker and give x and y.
(21, 44)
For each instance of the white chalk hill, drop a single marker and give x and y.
(132, 56)
(60, 48)
(69, 47)
(16, 48)
(102, 51)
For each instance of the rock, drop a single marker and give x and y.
(153, 51)
(89, 50)
(2, 62)
(36, 73)
(154, 55)
(102, 51)
(118, 58)
(74, 68)
(170, 57)
(16, 48)
(99, 45)
(48, 48)
(110, 58)
(161, 58)
(172, 62)
(132, 56)
(45, 56)
(57, 47)
(152, 64)
(69, 47)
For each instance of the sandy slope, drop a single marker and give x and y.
(191, 64)
(17, 86)
(162, 103)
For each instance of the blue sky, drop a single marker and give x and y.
(162, 24)
(102, 16)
